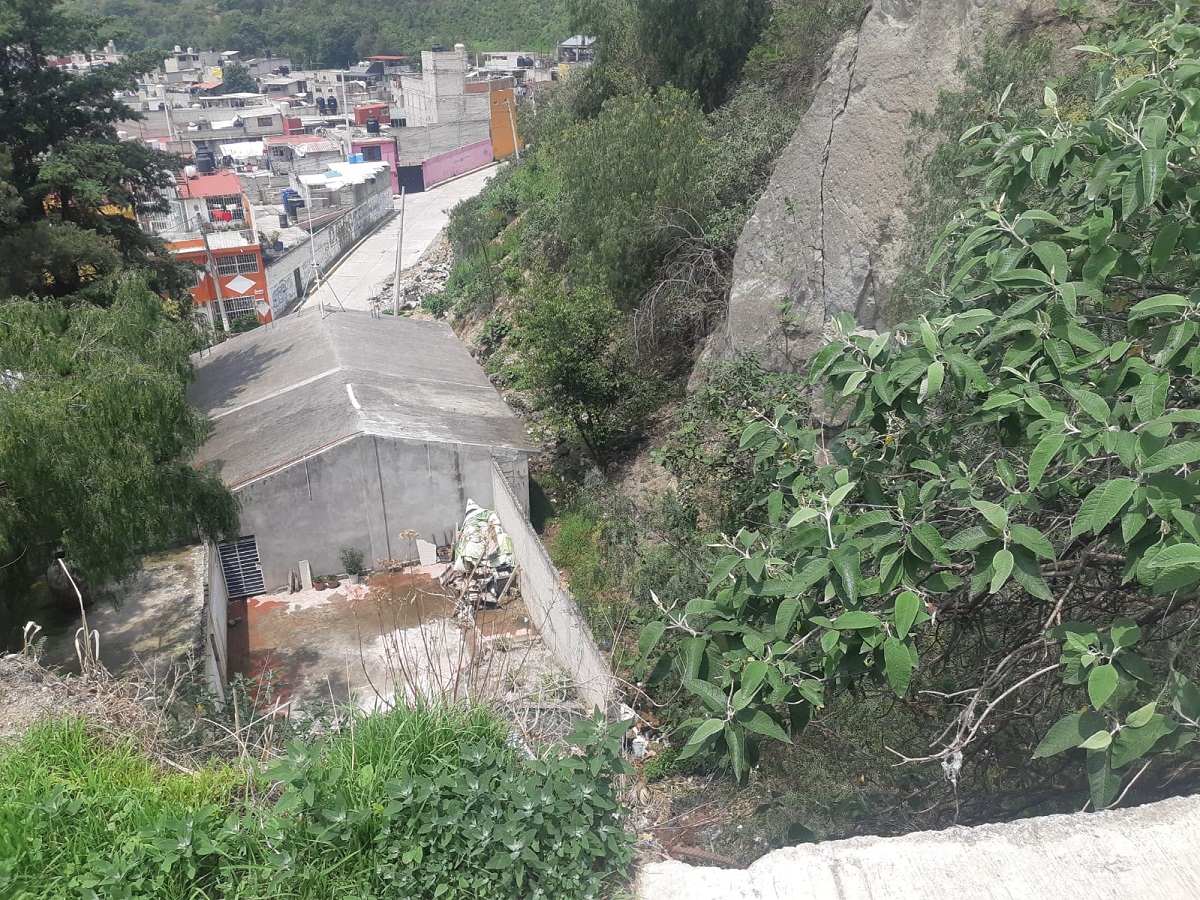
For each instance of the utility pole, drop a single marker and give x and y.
(512, 117)
(346, 114)
(399, 252)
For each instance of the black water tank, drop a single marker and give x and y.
(285, 70)
(284, 222)
(206, 162)
(321, 104)
(436, 48)
(372, 125)
(331, 105)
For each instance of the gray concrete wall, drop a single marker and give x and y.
(550, 604)
(329, 244)
(1150, 851)
(363, 492)
(216, 624)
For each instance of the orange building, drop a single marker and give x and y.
(211, 224)
(505, 137)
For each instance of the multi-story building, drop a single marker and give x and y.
(438, 96)
(211, 224)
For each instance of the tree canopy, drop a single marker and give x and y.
(95, 325)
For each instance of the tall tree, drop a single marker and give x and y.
(95, 324)
(236, 79)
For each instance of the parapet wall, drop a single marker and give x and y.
(550, 604)
(1149, 851)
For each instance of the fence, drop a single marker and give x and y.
(550, 605)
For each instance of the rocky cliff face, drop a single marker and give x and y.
(826, 236)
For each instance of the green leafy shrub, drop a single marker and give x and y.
(1012, 491)
(423, 803)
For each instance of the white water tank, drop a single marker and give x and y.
(190, 171)
(460, 46)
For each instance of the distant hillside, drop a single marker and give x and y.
(335, 32)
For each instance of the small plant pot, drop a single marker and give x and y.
(333, 584)
(319, 585)
(354, 579)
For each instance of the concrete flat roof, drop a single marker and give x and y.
(297, 387)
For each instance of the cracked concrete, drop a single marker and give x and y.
(825, 236)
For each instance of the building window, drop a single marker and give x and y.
(225, 209)
(265, 121)
(240, 264)
(236, 307)
(372, 154)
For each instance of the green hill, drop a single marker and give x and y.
(335, 32)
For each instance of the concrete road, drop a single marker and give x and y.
(360, 273)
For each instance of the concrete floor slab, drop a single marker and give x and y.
(353, 281)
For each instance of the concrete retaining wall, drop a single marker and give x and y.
(329, 244)
(445, 166)
(1150, 851)
(363, 492)
(216, 624)
(550, 605)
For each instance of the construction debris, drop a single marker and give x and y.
(484, 569)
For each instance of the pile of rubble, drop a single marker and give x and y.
(422, 280)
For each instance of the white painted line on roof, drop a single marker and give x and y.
(353, 400)
(278, 393)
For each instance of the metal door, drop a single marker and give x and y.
(239, 562)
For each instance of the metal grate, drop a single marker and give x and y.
(239, 562)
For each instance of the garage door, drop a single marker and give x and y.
(239, 561)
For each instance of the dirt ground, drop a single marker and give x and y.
(400, 635)
(152, 624)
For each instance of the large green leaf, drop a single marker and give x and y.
(1161, 305)
(1183, 453)
(648, 640)
(899, 664)
(1042, 454)
(1103, 782)
(760, 722)
(856, 619)
(1102, 505)
(1132, 743)
(1031, 539)
(1069, 732)
(931, 540)
(908, 605)
(1002, 566)
(1102, 682)
(703, 732)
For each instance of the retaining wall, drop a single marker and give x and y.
(445, 166)
(329, 244)
(550, 605)
(216, 624)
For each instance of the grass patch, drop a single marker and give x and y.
(431, 802)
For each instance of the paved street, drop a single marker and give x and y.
(360, 273)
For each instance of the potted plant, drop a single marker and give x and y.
(319, 582)
(352, 562)
(331, 582)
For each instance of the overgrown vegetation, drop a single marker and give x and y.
(426, 802)
(1003, 532)
(603, 259)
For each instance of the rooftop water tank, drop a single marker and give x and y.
(206, 162)
(460, 46)
(372, 125)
